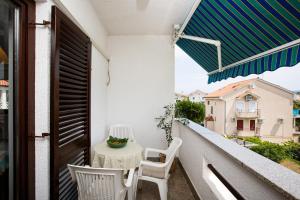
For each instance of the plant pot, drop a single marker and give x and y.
(162, 159)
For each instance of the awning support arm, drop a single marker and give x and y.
(217, 43)
(257, 56)
(187, 19)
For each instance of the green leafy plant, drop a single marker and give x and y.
(296, 105)
(193, 111)
(116, 140)
(292, 150)
(270, 150)
(255, 140)
(166, 122)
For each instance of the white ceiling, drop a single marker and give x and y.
(134, 17)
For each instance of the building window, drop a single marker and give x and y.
(240, 106)
(208, 102)
(252, 125)
(211, 110)
(240, 125)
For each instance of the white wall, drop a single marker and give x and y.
(98, 97)
(42, 101)
(142, 82)
(252, 175)
(84, 14)
(42, 95)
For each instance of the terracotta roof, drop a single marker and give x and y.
(3, 83)
(229, 88)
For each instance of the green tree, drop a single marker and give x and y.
(193, 111)
(296, 105)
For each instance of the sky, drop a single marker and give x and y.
(190, 76)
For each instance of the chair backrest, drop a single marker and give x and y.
(122, 131)
(98, 183)
(171, 153)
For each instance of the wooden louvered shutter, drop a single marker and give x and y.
(70, 103)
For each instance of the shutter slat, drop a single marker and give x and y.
(70, 103)
(73, 71)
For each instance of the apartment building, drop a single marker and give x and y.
(251, 108)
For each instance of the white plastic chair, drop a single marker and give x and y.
(122, 131)
(102, 183)
(159, 172)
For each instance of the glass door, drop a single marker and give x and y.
(9, 37)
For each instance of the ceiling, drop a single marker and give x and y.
(140, 17)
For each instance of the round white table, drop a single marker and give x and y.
(122, 158)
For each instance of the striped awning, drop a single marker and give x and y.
(245, 28)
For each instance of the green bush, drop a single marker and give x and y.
(254, 140)
(270, 150)
(292, 150)
(193, 111)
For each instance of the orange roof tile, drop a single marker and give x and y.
(4, 83)
(229, 88)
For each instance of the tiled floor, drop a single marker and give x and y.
(178, 188)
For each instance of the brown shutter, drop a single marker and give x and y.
(70, 103)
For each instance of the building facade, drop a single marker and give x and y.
(252, 108)
(197, 96)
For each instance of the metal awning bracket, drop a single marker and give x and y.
(216, 43)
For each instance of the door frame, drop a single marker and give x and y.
(24, 104)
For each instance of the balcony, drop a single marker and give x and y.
(222, 169)
(296, 112)
(247, 114)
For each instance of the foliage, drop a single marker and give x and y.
(297, 122)
(270, 150)
(296, 105)
(292, 149)
(255, 140)
(193, 111)
(117, 140)
(166, 122)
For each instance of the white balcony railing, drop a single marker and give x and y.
(247, 113)
(221, 169)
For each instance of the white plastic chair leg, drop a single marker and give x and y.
(163, 189)
(130, 194)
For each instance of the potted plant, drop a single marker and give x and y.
(166, 123)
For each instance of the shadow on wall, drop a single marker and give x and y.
(275, 129)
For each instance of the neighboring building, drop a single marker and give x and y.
(180, 97)
(252, 108)
(197, 96)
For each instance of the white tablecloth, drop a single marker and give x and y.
(123, 158)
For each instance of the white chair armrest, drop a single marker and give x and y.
(129, 181)
(147, 150)
(152, 164)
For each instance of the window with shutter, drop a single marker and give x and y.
(70, 103)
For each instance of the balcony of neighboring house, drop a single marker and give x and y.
(246, 106)
(296, 113)
(248, 113)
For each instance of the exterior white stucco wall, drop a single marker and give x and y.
(42, 95)
(85, 16)
(42, 101)
(142, 82)
(251, 174)
(98, 97)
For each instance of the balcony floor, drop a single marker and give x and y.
(177, 185)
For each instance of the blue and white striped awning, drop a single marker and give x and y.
(255, 35)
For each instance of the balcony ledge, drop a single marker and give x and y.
(282, 179)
